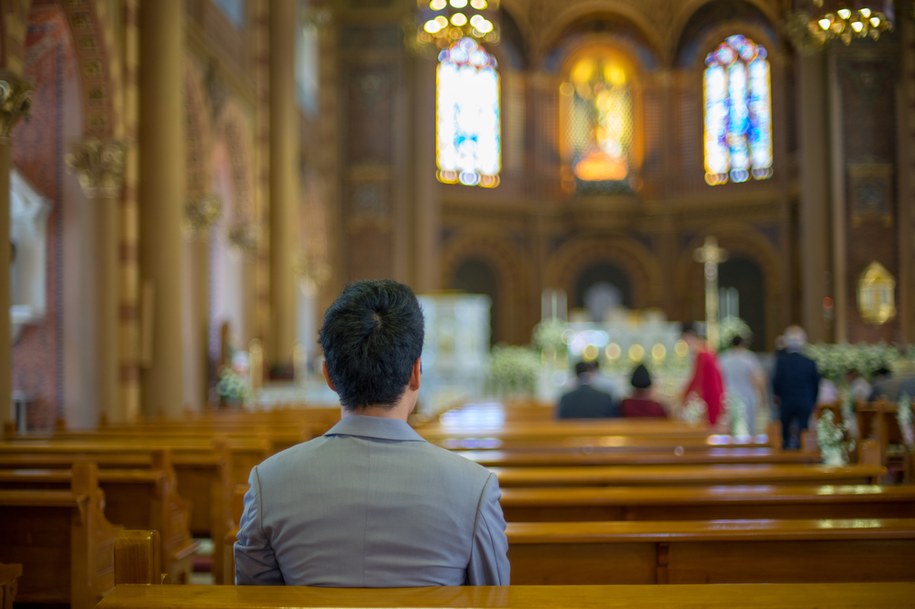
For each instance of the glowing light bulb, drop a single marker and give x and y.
(824, 23)
(865, 12)
(843, 13)
(478, 4)
(432, 27)
(458, 3)
(458, 19)
(875, 21)
(857, 26)
(485, 26)
(437, 5)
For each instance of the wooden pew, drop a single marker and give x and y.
(674, 455)
(598, 443)
(136, 558)
(893, 595)
(202, 472)
(550, 430)
(687, 475)
(716, 551)
(136, 499)
(706, 503)
(9, 575)
(62, 539)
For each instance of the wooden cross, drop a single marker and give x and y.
(710, 255)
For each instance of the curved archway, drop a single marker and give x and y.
(509, 320)
(630, 257)
(741, 241)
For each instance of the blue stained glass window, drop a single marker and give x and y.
(468, 120)
(738, 112)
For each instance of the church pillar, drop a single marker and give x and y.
(15, 100)
(284, 129)
(814, 196)
(162, 166)
(99, 165)
(199, 215)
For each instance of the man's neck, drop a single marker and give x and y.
(401, 410)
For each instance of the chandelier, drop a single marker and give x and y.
(847, 20)
(443, 22)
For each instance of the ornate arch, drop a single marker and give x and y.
(512, 274)
(737, 238)
(234, 124)
(199, 133)
(99, 67)
(558, 27)
(632, 257)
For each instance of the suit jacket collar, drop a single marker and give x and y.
(375, 427)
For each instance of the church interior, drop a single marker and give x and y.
(191, 180)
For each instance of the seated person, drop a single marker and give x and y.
(642, 403)
(371, 504)
(586, 401)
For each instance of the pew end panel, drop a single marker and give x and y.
(9, 576)
(137, 558)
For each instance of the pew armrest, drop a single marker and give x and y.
(136, 558)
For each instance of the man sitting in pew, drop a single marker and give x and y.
(371, 503)
(586, 401)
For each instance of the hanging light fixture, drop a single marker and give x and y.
(442, 22)
(846, 20)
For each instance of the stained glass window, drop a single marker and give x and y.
(597, 107)
(468, 128)
(738, 112)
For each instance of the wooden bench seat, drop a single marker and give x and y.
(62, 540)
(202, 475)
(673, 455)
(716, 551)
(707, 502)
(895, 595)
(135, 499)
(597, 443)
(687, 475)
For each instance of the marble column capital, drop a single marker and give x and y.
(15, 102)
(99, 165)
(200, 214)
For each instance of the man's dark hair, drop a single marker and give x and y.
(582, 368)
(371, 336)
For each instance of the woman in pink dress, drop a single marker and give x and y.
(706, 382)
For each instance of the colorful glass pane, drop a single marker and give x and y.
(468, 127)
(738, 112)
(598, 104)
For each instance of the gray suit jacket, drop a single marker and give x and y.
(371, 504)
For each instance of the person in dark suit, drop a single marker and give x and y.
(585, 401)
(795, 385)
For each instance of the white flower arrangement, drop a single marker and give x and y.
(549, 335)
(831, 439)
(732, 326)
(513, 371)
(834, 360)
(904, 416)
(695, 411)
(232, 386)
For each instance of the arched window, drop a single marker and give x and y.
(738, 112)
(468, 127)
(597, 122)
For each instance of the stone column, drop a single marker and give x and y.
(813, 132)
(162, 188)
(99, 166)
(15, 100)
(200, 215)
(283, 192)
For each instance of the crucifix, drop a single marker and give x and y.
(710, 255)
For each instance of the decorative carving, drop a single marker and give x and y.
(99, 165)
(245, 236)
(202, 213)
(15, 101)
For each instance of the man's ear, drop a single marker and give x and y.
(327, 379)
(416, 374)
